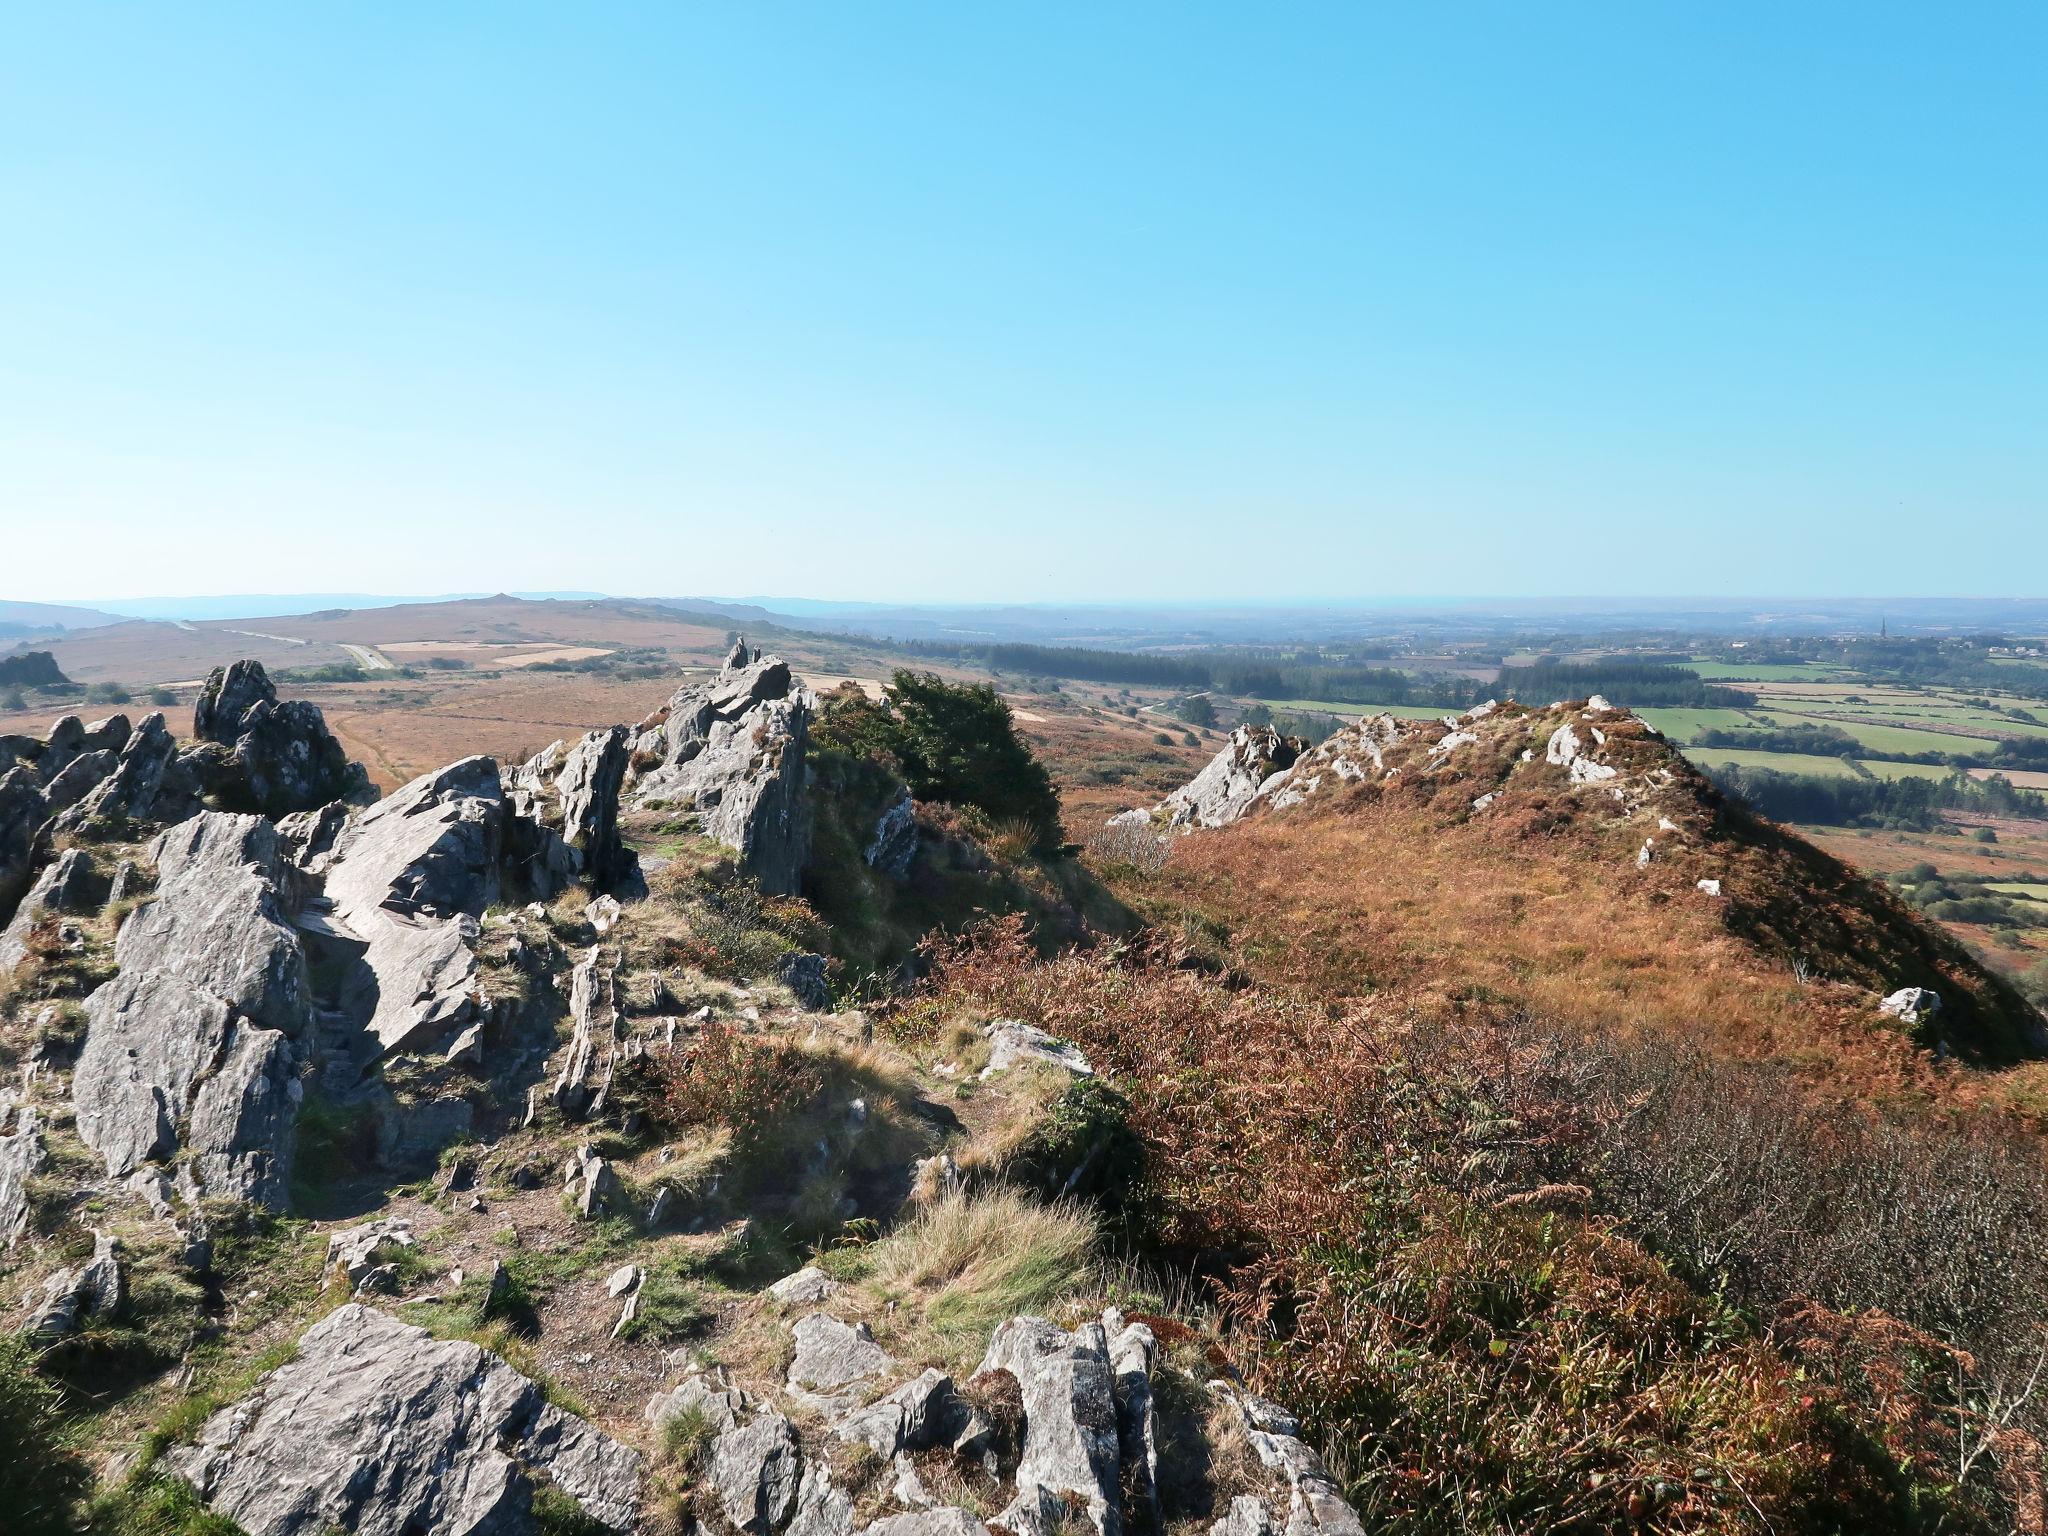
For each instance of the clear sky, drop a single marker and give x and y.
(1024, 301)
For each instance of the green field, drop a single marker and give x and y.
(1888, 738)
(1353, 711)
(1764, 672)
(1781, 762)
(1883, 770)
(1681, 725)
(2016, 888)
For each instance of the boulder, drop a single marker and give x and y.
(1016, 1042)
(22, 814)
(379, 1429)
(407, 879)
(1071, 1446)
(1909, 1005)
(22, 1156)
(1226, 788)
(80, 777)
(754, 1473)
(893, 844)
(69, 1296)
(924, 1411)
(806, 977)
(710, 1395)
(1132, 1350)
(807, 1287)
(354, 1252)
(821, 1508)
(62, 887)
(1316, 1506)
(189, 1048)
(948, 1521)
(588, 789)
(586, 1076)
(732, 750)
(832, 1356)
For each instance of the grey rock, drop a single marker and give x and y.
(894, 843)
(732, 749)
(1070, 1424)
(1017, 1043)
(150, 782)
(584, 1082)
(1909, 1005)
(711, 1395)
(821, 1508)
(80, 777)
(22, 1156)
(594, 1186)
(754, 1473)
(379, 1429)
(355, 1251)
(62, 887)
(948, 1521)
(1227, 787)
(923, 1412)
(831, 1355)
(588, 789)
(69, 1296)
(188, 1048)
(807, 1287)
(1248, 1516)
(22, 814)
(125, 881)
(1132, 1349)
(1316, 1507)
(226, 698)
(108, 735)
(805, 976)
(408, 878)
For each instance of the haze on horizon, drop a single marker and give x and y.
(914, 304)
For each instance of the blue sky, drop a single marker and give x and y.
(1028, 302)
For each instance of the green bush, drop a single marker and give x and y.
(954, 742)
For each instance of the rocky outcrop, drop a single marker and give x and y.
(189, 1049)
(1071, 1444)
(23, 811)
(833, 1357)
(407, 879)
(893, 844)
(281, 757)
(732, 750)
(1256, 772)
(379, 1429)
(70, 1296)
(64, 886)
(151, 781)
(1315, 1504)
(567, 799)
(22, 1156)
(1225, 789)
(754, 1472)
(585, 1080)
(1909, 1005)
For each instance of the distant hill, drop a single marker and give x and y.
(23, 619)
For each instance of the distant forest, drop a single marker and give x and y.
(1307, 675)
(1841, 801)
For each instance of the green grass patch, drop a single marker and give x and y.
(1779, 762)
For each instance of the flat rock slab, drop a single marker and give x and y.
(381, 1430)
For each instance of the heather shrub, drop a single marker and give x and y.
(1417, 1239)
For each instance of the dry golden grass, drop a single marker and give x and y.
(1404, 894)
